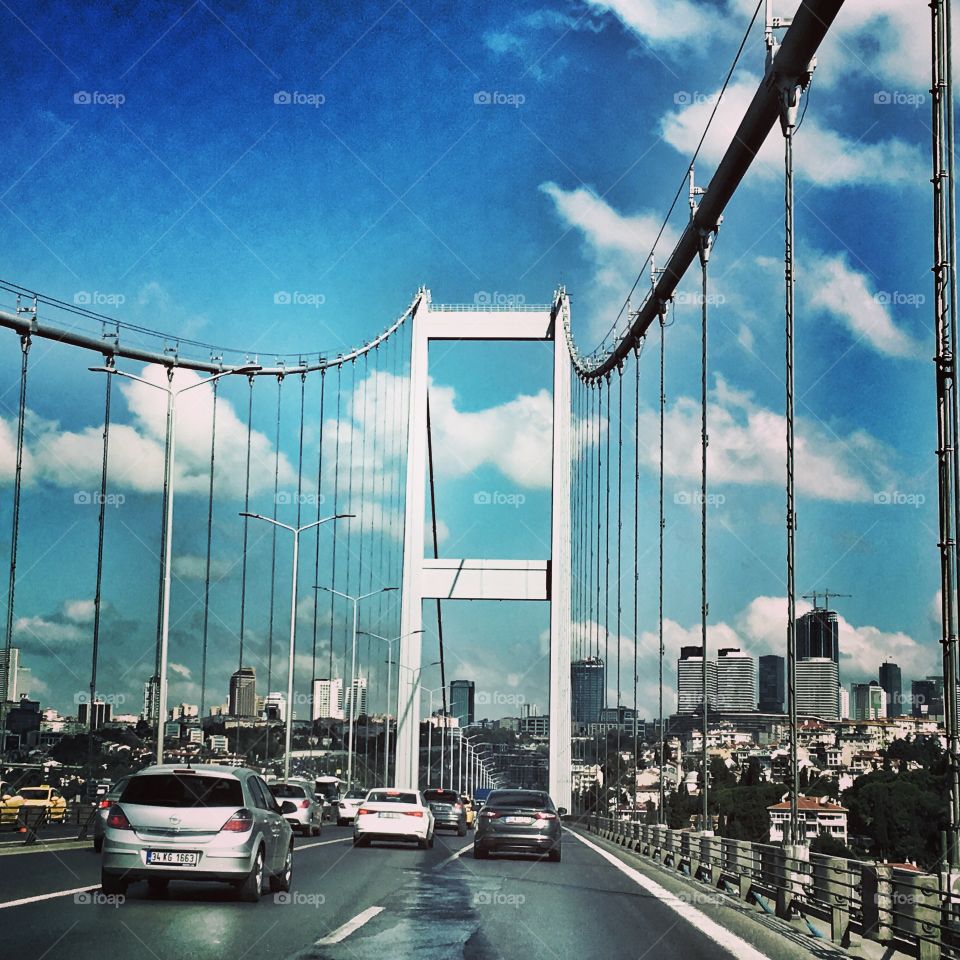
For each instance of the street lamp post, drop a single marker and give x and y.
(389, 643)
(296, 531)
(353, 665)
(168, 477)
(430, 694)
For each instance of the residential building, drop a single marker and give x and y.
(9, 679)
(818, 688)
(736, 680)
(243, 692)
(891, 682)
(462, 701)
(151, 700)
(218, 743)
(690, 681)
(772, 685)
(868, 701)
(587, 689)
(817, 815)
(328, 699)
(275, 706)
(357, 689)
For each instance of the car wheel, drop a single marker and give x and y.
(158, 885)
(361, 841)
(341, 822)
(281, 882)
(462, 830)
(554, 855)
(479, 853)
(112, 885)
(251, 887)
(97, 844)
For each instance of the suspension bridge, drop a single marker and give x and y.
(318, 476)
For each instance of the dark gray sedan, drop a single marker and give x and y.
(518, 821)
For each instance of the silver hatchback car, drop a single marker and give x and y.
(197, 823)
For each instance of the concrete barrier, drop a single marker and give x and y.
(876, 902)
(916, 910)
(833, 886)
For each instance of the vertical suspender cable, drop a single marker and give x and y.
(206, 578)
(273, 534)
(101, 527)
(619, 558)
(347, 637)
(636, 563)
(336, 509)
(246, 532)
(163, 553)
(316, 555)
(604, 716)
(661, 526)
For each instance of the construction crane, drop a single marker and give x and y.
(826, 594)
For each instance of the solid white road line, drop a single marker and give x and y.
(453, 856)
(351, 926)
(319, 843)
(48, 896)
(720, 935)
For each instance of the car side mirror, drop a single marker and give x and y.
(288, 806)
(561, 811)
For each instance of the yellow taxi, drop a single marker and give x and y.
(468, 811)
(44, 797)
(10, 804)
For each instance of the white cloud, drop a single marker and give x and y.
(79, 611)
(180, 670)
(821, 156)
(47, 631)
(660, 23)
(194, 567)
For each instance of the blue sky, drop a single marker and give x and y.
(179, 166)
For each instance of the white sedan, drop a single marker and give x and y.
(394, 815)
(346, 808)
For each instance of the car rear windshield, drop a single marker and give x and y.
(382, 796)
(441, 796)
(173, 790)
(519, 798)
(287, 790)
(35, 794)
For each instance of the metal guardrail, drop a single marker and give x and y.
(915, 913)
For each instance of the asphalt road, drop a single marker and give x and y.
(386, 901)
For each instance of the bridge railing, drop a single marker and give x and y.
(835, 898)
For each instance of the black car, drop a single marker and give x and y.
(518, 821)
(448, 810)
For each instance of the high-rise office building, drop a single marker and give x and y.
(462, 701)
(736, 680)
(357, 689)
(818, 635)
(690, 681)
(275, 706)
(772, 686)
(927, 698)
(9, 685)
(96, 717)
(243, 692)
(868, 701)
(818, 688)
(328, 699)
(587, 685)
(892, 685)
(151, 700)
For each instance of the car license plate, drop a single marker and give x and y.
(517, 820)
(390, 815)
(178, 858)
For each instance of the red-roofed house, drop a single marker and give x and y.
(816, 815)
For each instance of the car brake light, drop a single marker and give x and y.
(117, 820)
(103, 804)
(458, 808)
(304, 804)
(545, 815)
(240, 822)
(413, 813)
(363, 811)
